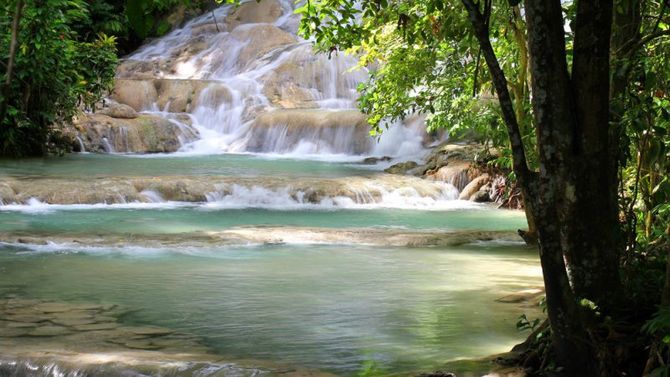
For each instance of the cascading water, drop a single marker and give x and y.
(261, 89)
(223, 259)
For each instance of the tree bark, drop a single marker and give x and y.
(595, 237)
(545, 191)
(556, 193)
(16, 21)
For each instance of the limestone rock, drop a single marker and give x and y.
(456, 173)
(52, 307)
(49, 330)
(259, 39)
(174, 96)
(136, 69)
(304, 77)
(326, 130)
(481, 196)
(97, 326)
(119, 110)
(252, 12)
(6, 193)
(14, 332)
(144, 134)
(211, 95)
(375, 160)
(401, 168)
(138, 94)
(475, 185)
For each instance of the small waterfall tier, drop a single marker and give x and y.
(248, 84)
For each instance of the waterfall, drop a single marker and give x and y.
(107, 146)
(256, 87)
(82, 148)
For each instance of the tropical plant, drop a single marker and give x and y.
(53, 74)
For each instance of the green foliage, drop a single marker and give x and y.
(523, 323)
(423, 59)
(146, 17)
(54, 73)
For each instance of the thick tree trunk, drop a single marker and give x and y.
(594, 235)
(12, 57)
(555, 196)
(573, 196)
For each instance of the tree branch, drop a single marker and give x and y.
(12, 57)
(480, 25)
(634, 45)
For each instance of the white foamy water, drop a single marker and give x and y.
(238, 197)
(260, 69)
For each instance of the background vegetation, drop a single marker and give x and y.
(64, 58)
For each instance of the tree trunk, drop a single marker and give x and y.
(594, 228)
(12, 57)
(573, 196)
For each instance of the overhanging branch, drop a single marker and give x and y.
(481, 28)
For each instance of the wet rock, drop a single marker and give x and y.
(259, 39)
(302, 78)
(437, 374)
(142, 345)
(457, 173)
(401, 168)
(344, 131)
(14, 332)
(475, 185)
(74, 322)
(28, 318)
(19, 325)
(252, 12)
(138, 94)
(212, 95)
(207, 29)
(480, 196)
(97, 326)
(6, 193)
(375, 160)
(119, 110)
(47, 331)
(52, 307)
(31, 241)
(177, 96)
(137, 69)
(144, 134)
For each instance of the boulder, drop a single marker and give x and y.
(258, 40)
(456, 173)
(254, 12)
(144, 134)
(481, 196)
(6, 193)
(474, 186)
(375, 160)
(401, 168)
(138, 94)
(119, 110)
(175, 96)
(137, 69)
